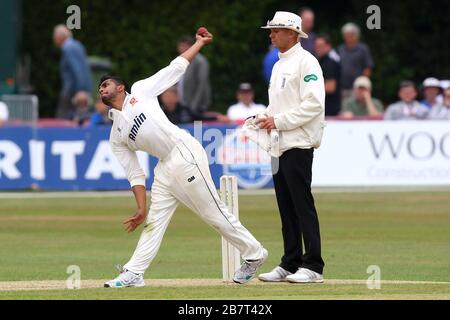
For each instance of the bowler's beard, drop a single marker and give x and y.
(108, 99)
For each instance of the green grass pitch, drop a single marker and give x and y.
(406, 234)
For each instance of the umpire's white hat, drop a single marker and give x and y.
(286, 20)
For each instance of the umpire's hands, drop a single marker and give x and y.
(266, 123)
(135, 221)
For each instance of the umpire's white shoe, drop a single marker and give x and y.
(126, 278)
(304, 275)
(248, 269)
(278, 274)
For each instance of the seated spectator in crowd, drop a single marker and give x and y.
(100, 116)
(444, 84)
(179, 114)
(245, 107)
(4, 113)
(408, 108)
(431, 90)
(361, 103)
(356, 59)
(331, 73)
(441, 111)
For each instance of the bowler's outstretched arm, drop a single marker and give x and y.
(170, 75)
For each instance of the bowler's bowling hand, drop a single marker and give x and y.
(205, 38)
(132, 223)
(267, 123)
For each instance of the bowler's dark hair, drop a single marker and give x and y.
(116, 79)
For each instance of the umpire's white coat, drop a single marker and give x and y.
(181, 175)
(296, 102)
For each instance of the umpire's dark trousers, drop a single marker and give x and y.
(292, 181)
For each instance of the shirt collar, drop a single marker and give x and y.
(67, 42)
(112, 110)
(290, 52)
(249, 106)
(111, 114)
(125, 101)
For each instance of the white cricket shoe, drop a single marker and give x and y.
(126, 278)
(304, 275)
(248, 269)
(278, 274)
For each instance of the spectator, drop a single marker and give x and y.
(178, 113)
(270, 59)
(100, 117)
(441, 111)
(407, 108)
(245, 107)
(4, 113)
(194, 89)
(307, 15)
(444, 84)
(75, 75)
(331, 74)
(361, 103)
(431, 90)
(356, 59)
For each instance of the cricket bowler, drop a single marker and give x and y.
(181, 175)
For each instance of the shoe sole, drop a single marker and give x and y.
(236, 281)
(132, 286)
(310, 281)
(267, 280)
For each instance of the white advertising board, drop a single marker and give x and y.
(383, 153)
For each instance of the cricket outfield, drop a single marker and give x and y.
(404, 234)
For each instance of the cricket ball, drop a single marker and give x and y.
(202, 31)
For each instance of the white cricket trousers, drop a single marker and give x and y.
(184, 176)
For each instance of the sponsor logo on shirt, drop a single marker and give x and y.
(138, 121)
(133, 101)
(310, 77)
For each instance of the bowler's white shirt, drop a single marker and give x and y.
(142, 125)
(240, 111)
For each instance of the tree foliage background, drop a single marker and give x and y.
(140, 38)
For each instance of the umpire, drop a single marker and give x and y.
(296, 109)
